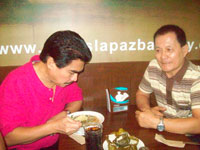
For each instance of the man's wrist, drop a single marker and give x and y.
(145, 109)
(67, 111)
(157, 121)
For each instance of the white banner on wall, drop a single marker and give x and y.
(115, 30)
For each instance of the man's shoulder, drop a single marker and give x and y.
(18, 73)
(154, 63)
(193, 69)
(193, 66)
(21, 69)
(154, 66)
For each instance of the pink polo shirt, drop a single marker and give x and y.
(26, 102)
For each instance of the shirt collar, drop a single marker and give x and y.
(179, 75)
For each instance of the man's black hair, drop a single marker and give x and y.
(65, 46)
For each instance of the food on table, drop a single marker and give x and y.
(121, 140)
(86, 118)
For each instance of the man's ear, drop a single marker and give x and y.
(50, 63)
(185, 49)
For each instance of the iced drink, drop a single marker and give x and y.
(93, 136)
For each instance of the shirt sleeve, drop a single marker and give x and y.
(195, 94)
(12, 109)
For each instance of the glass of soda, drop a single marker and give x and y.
(93, 136)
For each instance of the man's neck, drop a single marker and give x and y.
(178, 75)
(41, 71)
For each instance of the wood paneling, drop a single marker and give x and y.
(99, 76)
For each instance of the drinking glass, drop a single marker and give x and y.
(93, 136)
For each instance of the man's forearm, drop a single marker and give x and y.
(25, 135)
(142, 101)
(182, 125)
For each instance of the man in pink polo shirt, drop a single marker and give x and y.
(36, 97)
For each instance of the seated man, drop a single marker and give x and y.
(175, 82)
(36, 97)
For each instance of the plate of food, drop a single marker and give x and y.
(85, 117)
(122, 140)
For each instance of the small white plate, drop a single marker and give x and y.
(111, 138)
(92, 113)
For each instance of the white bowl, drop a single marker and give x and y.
(92, 113)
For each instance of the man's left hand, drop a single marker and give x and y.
(147, 119)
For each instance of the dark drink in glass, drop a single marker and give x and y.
(93, 136)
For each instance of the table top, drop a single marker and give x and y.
(127, 121)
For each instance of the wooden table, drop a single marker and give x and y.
(127, 121)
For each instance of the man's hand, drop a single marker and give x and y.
(158, 110)
(147, 119)
(60, 123)
(64, 124)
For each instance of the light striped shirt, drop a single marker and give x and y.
(179, 94)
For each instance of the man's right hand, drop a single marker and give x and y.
(158, 110)
(63, 124)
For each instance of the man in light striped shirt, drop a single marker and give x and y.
(175, 81)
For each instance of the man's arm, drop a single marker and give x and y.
(74, 106)
(189, 125)
(148, 119)
(143, 104)
(25, 135)
(142, 100)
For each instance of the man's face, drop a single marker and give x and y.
(169, 53)
(67, 75)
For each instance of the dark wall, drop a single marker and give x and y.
(99, 76)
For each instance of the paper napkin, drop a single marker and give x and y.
(78, 138)
(172, 143)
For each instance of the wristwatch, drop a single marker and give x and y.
(161, 126)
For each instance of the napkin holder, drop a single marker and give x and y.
(117, 99)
